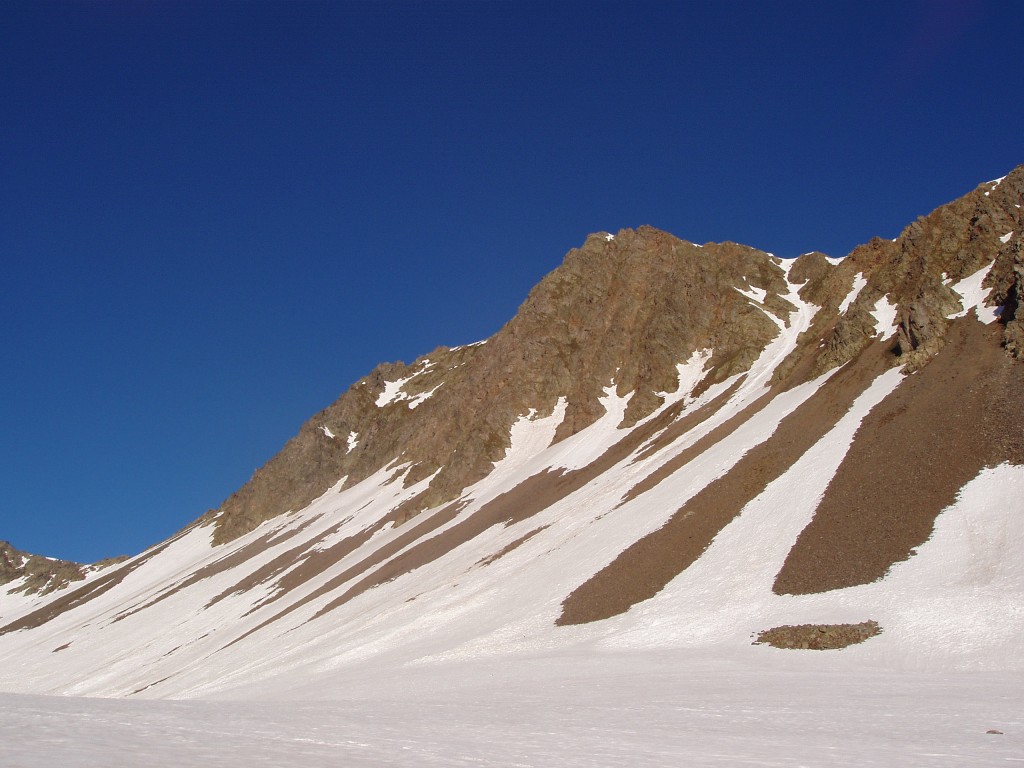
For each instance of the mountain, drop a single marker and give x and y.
(671, 446)
(35, 574)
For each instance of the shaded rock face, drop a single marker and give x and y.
(620, 314)
(41, 574)
(916, 270)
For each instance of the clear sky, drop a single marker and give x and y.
(216, 216)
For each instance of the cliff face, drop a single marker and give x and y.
(626, 310)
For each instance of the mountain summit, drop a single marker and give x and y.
(669, 445)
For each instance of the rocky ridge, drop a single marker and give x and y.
(40, 575)
(624, 311)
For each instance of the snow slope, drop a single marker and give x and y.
(651, 709)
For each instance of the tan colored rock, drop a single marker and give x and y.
(626, 309)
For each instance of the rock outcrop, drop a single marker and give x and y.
(40, 575)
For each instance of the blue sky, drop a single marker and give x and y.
(216, 216)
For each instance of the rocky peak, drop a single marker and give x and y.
(38, 574)
(621, 311)
(917, 272)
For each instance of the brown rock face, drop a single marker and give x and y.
(625, 310)
(42, 575)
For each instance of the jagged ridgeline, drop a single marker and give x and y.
(623, 311)
(42, 575)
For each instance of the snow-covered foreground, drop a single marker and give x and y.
(607, 709)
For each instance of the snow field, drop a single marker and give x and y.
(651, 709)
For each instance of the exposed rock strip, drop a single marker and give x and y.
(910, 457)
(305, 572)
(221, 565)
(510, 547)
(643, 569)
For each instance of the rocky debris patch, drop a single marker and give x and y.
(818, 637)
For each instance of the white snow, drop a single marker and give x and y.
(417, 399)
(690, 374)
(609, 237)
(530, 436)
(327, 431)
(885, 317)
(353, 440)
(973, 296)
(467, 346)
(859, 283)
(392, 391)
(584, 447)
(754, 294)
(1006, 238)
(581, 711)
(995, 183)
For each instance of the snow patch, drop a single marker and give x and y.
(393, 391)
(327, 431)
(529, 436)
(467, 346)
(754, 294)
(587, 445)
(417, 399)
(690, 374)
(1006, 238)
(859, 282)
(353, 440)
(973, 295)
(885, 317)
